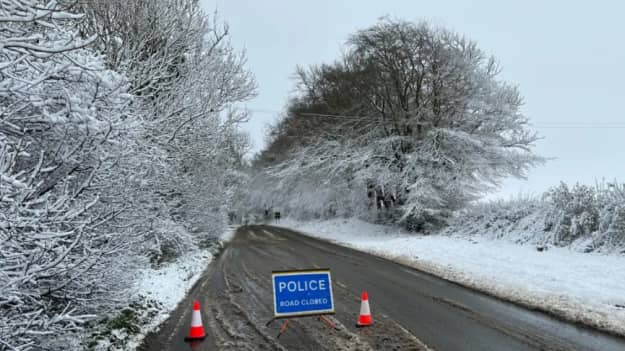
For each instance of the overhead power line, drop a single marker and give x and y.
(540, 125)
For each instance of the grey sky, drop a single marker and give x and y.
(567, 57)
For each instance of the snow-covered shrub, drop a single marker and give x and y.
(584, 218)
(611, 227)
(170, 240)
(520, 220)
(614, 236)
(574, 211)
(61, 110)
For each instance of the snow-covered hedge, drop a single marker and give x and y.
(112, 114)
(587, 218)
(58, 144)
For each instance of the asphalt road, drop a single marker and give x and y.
(411, 309)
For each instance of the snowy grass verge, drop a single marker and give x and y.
(583, 288)
(158, 292)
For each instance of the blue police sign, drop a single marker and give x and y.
(302, 293)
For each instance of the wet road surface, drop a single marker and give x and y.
(412, 310)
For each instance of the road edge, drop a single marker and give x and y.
(215, 251)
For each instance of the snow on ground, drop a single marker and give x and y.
(581, 287)
(169, 284)
(166, 286)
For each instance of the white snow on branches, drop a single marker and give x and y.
(119, 150)
(409, 125)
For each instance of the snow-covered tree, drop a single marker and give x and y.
(415, 114)
(112, 124)
(186, 78)
(61, 112)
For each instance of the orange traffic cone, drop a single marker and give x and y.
(364, 319)
(196, 332)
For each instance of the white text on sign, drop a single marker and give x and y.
(302, 286)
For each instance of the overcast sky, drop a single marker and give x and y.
(567, 57)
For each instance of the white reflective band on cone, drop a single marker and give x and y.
(196, 319)
(364, 308)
